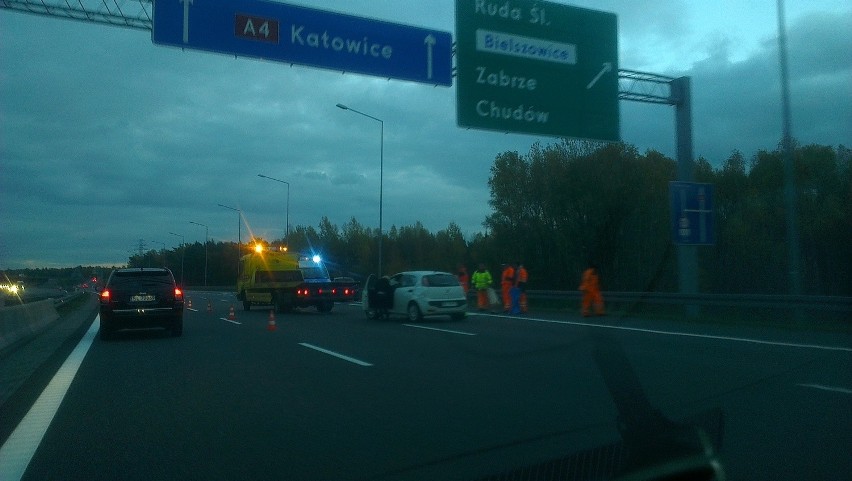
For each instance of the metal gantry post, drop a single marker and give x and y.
(659, 89)
(686, 254)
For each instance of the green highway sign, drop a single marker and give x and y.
(537, 67)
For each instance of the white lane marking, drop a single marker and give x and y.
(675, 333)
(827, 388)
(18, 450)
(191, 309)
(232, 322)
(442, 330)
(337, 355)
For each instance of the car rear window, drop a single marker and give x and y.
(440, 280)
(128, 277)
(314, 273)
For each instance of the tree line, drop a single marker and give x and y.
(564, 205)
(560, 206)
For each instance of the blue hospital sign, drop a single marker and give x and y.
(692, 213)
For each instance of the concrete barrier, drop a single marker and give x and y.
(25, 320)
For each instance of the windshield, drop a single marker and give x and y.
(425, 240)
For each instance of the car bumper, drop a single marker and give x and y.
(437, 308)
(140, 318)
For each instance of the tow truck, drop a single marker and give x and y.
(275, 277)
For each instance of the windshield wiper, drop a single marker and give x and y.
(656, 447)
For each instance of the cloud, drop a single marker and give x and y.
(107, 138)
(737, 104)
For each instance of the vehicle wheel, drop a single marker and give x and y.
(177, 327)
(414, 314)
(371, 314)
(105, 334)
(457, 316)
(325, 306)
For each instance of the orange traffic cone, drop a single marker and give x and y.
(209, 308)
(231, 315)
(271, 325)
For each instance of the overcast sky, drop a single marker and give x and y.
(106, 138)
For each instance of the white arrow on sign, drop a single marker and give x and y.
(430, 42)
(186, 4)
(607, 67)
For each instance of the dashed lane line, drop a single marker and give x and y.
(442, 330)
(827, 388)
(336, 354)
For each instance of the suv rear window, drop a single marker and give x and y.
(124, 277)
(440, 280)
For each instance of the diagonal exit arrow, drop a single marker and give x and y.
(430, 42)
(604, 69)
(186, 4)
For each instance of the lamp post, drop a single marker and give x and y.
(793, 252)
(182, 255)
(381, 172)
(239, 234)
(206, 235)
(286, 227)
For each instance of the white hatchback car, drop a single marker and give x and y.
(415, 294)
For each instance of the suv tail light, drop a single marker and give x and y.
(105, 295)
(178, 294)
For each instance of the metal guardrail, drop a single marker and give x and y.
(824, 303)
(817, 303)
(68, 297)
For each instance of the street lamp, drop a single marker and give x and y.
(182, 255)
(206, 235)
(381, 172)
(287, 227)
(239, 234)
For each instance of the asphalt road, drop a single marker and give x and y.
(339, 397)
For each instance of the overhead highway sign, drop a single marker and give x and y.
(537, 67)
(299, 35)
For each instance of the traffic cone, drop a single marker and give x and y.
(209, 308)
(271, 325)
(231, 315)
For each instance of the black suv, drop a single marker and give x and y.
(141, 297)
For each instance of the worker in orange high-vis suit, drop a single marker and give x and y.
(522, 278)
(507, 281)
(464, 279)
(590, 287)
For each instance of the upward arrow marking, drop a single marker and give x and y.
(430, 42)
(186, 4)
